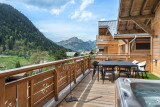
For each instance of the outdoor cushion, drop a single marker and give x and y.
(135, 62)
(141, 66)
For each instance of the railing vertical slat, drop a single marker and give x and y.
(2, 92)
(83, 65)
(31, 93)
(75, 70)
(22, 94)
(56, 82)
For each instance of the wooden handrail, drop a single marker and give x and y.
(11, 72)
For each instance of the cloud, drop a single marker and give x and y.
(86, 16)
(85, 3)
(56, 11)
(56, 33)
(81, 14)
(75, 15)
(54, 6)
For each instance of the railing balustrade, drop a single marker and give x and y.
(38, 89)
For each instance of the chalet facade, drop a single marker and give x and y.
(106, 44)
(138, 31)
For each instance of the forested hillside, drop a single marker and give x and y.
(18, 36)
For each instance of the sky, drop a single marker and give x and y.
(62, 19)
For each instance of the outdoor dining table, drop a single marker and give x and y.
(120, 63)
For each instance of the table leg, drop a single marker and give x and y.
(98, 73)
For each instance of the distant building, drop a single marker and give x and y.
(75, 54)
(86, 52)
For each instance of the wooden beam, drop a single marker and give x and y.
(107, 32)
(148, 21)
(131, 31)
(124, 41)
(143, 6)
(132, 6)
(143, 26)
(156, 5)
(150, 16)
(127, 24)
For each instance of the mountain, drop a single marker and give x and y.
(18, 35)
(77, 44)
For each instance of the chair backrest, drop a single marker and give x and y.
(141, 66)
(135, 62)
(95, 63)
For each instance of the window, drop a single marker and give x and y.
(101, 50)
(142, 46)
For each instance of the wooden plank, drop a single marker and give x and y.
(2, 92)
(83, 65)
(56, 88)
(44, 92)
(10, 98)
(45, 100)
(75, 69)
(22, 94)
(150, 16)
(89, 94)
(42, 77)
(41, 85)
(31, 93)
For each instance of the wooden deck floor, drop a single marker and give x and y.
(91, 93)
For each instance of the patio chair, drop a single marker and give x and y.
(141, 69)
(134, 68)
(108, 69)
(96, 68)
(124, 70)
(135, 62)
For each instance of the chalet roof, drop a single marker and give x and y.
(135, 16)
(112, 26)
(70, 53)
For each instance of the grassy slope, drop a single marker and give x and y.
(9, 62)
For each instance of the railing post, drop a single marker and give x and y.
(2, 92)
(89, 60)
(127, 58)
(56, 82)
(75, 70)
(83, 65)
(31, 93)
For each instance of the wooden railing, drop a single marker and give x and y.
(126, 57)
(103, 38)
(38, 89)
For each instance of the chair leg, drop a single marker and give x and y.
(119, 74)
(103, 77)
(113, 76)
(146, 75)
(142, 75)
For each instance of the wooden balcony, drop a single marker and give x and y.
(37, 90)
(48, 87)
(103, 39)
